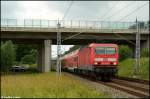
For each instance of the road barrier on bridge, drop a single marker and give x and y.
(69, 24)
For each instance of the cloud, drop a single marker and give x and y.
(38, 10)
(9, 9)
(124, 8)
(86, 10)
(80, 10)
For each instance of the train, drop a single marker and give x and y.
(97, 60)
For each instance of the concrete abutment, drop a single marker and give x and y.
(44, 56)
(145, 44)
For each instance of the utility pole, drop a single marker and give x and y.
(58, 49)
(137, 47)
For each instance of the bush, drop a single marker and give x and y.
(145, 52)
(30, 58)
(125, 52)
(23, 49)
(8, 55)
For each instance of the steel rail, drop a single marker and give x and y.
(136, 91)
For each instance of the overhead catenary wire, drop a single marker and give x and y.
(124, 38)
(116, 13)
(109, 11)
(97, 38)
(66, 12)
(126, 17)
(81, 32)
(114, 33)
(133, 11)
(71, 36)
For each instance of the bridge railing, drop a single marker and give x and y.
(68, 24)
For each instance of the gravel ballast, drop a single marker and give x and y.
(102, 88)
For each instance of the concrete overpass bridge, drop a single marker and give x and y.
(44, 33)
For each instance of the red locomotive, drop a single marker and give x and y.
(100, 60)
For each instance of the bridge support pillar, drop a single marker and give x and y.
(145, 44)
(44, 56)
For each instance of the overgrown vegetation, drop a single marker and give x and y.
(26, 54)
(126, 68)
(47, 85)
(8, 55)
(24, 49)
(30, 58)
(125, 52)
(13, 54)
(127, 63)
(145, 52)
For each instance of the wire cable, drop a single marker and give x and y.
(127, 16)
(70, 37)
(133, 11)
(97, 38)
(119, 11)
(114, 33)
(109, 10)
(65, 14)
(124, 38)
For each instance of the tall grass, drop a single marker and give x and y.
(46, 85)
(126, 68)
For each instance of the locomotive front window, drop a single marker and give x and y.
(105, 50)
(100, 50)
(110, 50)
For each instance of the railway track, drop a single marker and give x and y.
(134, 88)
(139, 88)
(133, 80)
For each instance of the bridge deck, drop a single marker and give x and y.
(72, 30)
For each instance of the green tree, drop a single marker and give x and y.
(30, 58)
(23, 49)
(125, 52)
(8, 55)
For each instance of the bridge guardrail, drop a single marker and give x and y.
(70, 24)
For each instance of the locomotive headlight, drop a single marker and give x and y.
(111, 59)
(95, 63)
(115, 63)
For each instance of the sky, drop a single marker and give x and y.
(79, 10)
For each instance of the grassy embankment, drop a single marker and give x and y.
(126, 68)
(46, 85)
